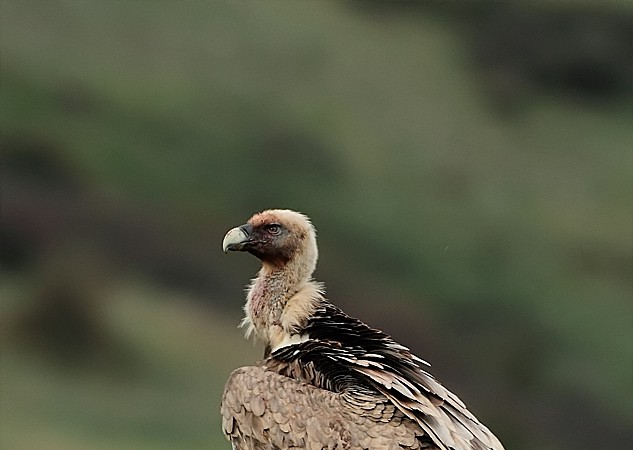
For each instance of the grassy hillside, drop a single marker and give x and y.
(496, 244)
(159, 387)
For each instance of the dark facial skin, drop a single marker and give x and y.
(268, 241)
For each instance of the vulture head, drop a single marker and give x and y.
(280, 238)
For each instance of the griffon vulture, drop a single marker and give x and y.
(328, 381)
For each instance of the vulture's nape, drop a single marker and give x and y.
(328, 381)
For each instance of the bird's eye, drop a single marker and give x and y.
(273, 228)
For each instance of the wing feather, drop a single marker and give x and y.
(344, 353)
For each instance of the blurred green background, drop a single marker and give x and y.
(467, 166)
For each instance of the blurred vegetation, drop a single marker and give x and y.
(467, 166)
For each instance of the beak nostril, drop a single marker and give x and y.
(246, 229)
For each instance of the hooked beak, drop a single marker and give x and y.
(236, 239)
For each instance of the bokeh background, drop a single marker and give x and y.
(467, 166)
